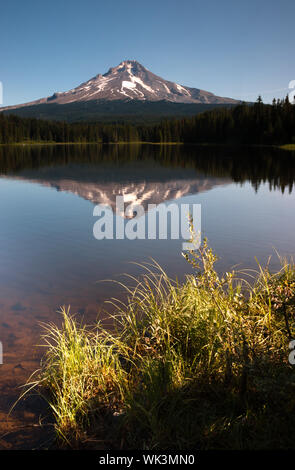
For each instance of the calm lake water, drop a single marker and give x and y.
(49, 256)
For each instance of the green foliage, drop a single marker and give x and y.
(202, 364)
(242, 124)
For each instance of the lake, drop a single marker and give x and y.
(49, 256)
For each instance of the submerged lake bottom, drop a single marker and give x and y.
(50, 257)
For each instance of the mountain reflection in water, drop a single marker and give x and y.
(145, 174)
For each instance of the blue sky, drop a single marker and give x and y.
(231, 47)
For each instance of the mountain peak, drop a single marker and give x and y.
(127, 65)
(129, 62)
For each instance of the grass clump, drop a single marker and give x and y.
(203, 364)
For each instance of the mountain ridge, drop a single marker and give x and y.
(129, 81)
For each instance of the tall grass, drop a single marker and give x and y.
(203, 364)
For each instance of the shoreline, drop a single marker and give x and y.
(288, 147)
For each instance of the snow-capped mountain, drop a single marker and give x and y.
(130, 81)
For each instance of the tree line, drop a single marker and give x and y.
(256, 123)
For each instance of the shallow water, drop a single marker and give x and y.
(49, 256)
